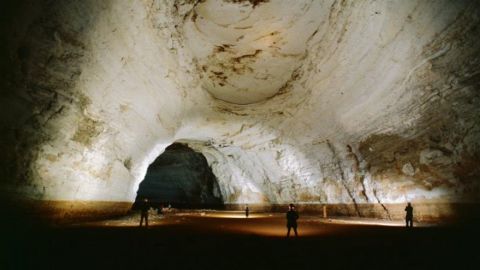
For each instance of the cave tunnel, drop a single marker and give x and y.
(181, 178)
(348, 109)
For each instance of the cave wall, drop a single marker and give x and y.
(337, 102)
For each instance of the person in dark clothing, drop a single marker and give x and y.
(144, 212)
(409, 215)
(247, 211)
(292, 217)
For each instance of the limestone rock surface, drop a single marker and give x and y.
(290, 101)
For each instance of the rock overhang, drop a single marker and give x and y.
(393, 81)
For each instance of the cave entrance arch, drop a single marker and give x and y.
(181, 177)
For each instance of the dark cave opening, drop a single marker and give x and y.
(182, 178)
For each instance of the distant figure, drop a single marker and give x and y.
(409, 215)
(292, 217)
(247, 211)
(144, 212)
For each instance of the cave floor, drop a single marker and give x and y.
(226, 240)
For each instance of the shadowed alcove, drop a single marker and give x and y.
(180, 177)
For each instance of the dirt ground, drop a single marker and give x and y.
(228, 240)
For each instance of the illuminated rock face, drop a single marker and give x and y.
(312, 102)
(246, 53)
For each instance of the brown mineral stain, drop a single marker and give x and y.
(87, 129)
(51, 157)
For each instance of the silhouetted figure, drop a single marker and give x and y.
(292, 217)
(144, 212)
(247, 211)
(409, 215)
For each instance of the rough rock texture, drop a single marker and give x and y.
(182, 177)
(349, 102)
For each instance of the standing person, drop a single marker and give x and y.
(144, 212)
(160, 210)
(292, 217)
(409, 215)
(247, 211)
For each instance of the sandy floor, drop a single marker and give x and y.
(227, 240)
(261, 224)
